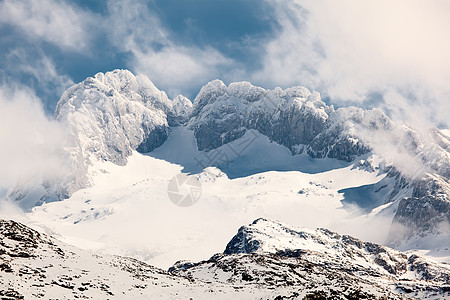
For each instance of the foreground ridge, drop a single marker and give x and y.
(266, 259)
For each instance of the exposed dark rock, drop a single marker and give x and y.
(426, 212)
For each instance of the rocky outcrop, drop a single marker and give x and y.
(264, 236)
(324, 263)
(426, 212)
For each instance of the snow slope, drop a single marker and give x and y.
(127, 211)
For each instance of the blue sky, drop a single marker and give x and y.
(222, 25)
(374, 54)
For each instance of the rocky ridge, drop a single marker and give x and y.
(270, 253)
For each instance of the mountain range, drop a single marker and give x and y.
(278, 154)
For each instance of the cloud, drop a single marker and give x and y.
(37, 71)
(155, 53)
(178, 68)
(52, 21)
(293, 55)
(393, 55)
(32, 145)
(40, 67)
(349, 50)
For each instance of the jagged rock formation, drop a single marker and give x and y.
(301, 121)
(112, 114)
(106, 118)
(427, 211)
(293, 117)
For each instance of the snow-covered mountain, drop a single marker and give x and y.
(294, 117)
(265, 260)
(106, 117)
(301, 121)
(345, 164)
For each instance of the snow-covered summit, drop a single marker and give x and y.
(294, 117)
(224, 113)
(267, 236)
(269, 253)
(106, 118)
(182, 108)
(115, 113)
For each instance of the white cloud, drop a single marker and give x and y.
(31, 143)
(53, 21)
(41, 68)
(173, 67)
(350, 49)
(178, 68)
(291, 57)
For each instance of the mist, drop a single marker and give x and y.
(390, 55)
(32, 143)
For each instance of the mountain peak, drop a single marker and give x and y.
(115, 113)
(270, 253)
(182, 108)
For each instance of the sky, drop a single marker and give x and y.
(394, 55)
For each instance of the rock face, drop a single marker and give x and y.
(426, 212)
(112, 114)
(325, 263)
(290, 117)
(18, 240)
(301, 121)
